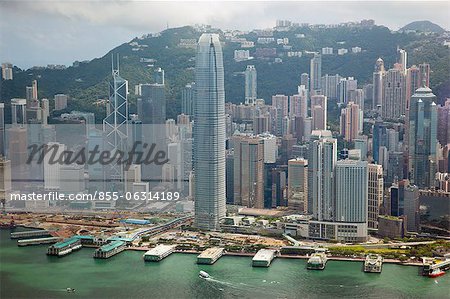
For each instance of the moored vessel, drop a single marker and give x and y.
(373, 263)
(317, 261)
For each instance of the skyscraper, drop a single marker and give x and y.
(351, 191)
(350, 121)
(377, 78)
(375, 193)
(422, 139)
(187, 99)
(250, 85)
(45, 110)
(52, 171)
(281, 103)
(412, 82)
(443, 129)
(298, 104)
(319, 112)
(393, 104)
(405, 202)
(209, 133)
(402, 59)
(321, 161)
(316, 72)
(249, 171)
(18, 112)
(152, 113)
(158, 76)
(7, 71)
(298, 184)
(60, 101)
(345, 87)
(304, 80)
(35, 90)
(330, 86)
(379, 139)
(115, 124)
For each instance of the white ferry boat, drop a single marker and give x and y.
(373, 263)
(317, 261)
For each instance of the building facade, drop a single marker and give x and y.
(209, 134)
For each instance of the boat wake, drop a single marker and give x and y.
(240, 289)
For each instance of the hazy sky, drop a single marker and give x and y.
(60, 32)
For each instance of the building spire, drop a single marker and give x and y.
(424, 79)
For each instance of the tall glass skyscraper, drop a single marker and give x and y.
(422, 139)
(209, 134)
(115, 126)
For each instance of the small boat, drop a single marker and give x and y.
(436, 273)
(203, 274)
(373, 263)
(70, 290)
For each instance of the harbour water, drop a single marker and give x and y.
(27, 272)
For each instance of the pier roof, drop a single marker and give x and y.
(111, 246)
(66, 242)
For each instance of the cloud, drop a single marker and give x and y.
(41, 32)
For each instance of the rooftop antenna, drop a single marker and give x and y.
(118, 60)
(112, 63)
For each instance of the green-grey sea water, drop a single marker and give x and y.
(27, 272)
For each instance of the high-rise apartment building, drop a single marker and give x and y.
(350, 121)
(402, 59)
(7, 71)
(250, 85)
(345, 87)
(377, 81)
(330, 86)
(187, 99)
(281, 103)
(61, 101)
(319, 112)
(393, 104)
(304, 80)
(298, 105)
(316, 72)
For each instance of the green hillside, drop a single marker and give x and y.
(88, 82)
(423, 26)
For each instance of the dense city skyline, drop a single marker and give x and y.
(298, 142)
